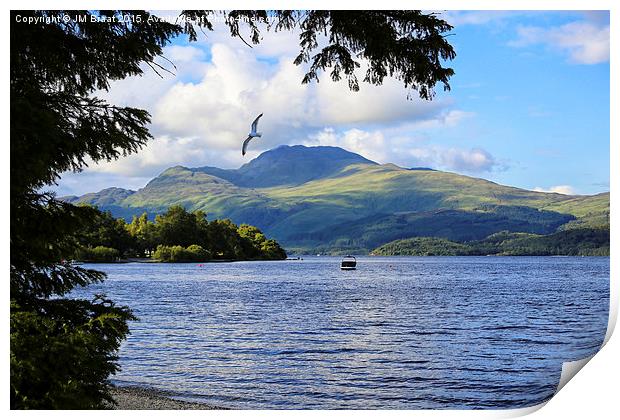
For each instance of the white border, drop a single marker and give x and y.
(593, 393)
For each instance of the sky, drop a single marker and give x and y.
(529, 106)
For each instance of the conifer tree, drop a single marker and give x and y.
(63, 350)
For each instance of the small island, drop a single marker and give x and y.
(174, 236)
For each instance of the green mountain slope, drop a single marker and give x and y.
(591, 211)
(328, 198)
(456, 225)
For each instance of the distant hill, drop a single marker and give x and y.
(329, 199)
(582, 241)
(107, 197)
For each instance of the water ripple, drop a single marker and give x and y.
(398, 333)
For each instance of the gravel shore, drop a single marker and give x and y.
(134, 398)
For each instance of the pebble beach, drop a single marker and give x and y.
(135, 398)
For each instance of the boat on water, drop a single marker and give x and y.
(348, 263)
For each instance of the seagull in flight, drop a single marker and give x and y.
(252, 134)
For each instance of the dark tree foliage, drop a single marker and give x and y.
(144, 234)
(180, 227)
(583, 242)
(407, 45)
(179, 231)
(63, 350)
(176, 236)
(103, 230)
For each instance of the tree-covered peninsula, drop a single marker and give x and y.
(174, 236)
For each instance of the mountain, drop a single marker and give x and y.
(109, 199)
(326, 198)
(289, 165)
(106, 197)
(456, 225)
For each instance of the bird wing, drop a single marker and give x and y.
(245, 145)
(255, 123)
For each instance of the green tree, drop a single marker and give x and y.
(271, 250)
(224, 240)
(144, 233)
(103, 230)
(63, 350)
(177, 227)
(202, 228)
(97, 254)
(177, 253)
(198, 253)
(251, 240)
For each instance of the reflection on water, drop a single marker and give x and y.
(397, 333)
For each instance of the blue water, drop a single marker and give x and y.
(397, 333)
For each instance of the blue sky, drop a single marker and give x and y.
(537, 108)
(529, 106)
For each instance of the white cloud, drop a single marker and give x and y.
(238, 81)
(585, 42)
(473, 160)
(183, 53)
(272, 44)
(406, 151)
(146, 90)
(560, 189)
(445, 118)
(371, 145)
(201, 115)
(165, 151)
(215, 111)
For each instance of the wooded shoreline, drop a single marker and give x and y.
(152, 260)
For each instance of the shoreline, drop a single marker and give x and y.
(141, 398)
(152, 261)
(310, 256)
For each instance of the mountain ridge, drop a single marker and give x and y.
(293, 165)
(297, 193)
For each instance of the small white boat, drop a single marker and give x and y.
(348, 263)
